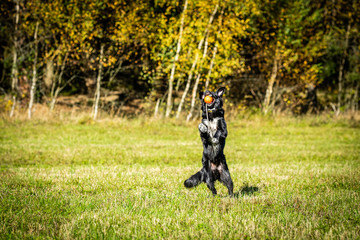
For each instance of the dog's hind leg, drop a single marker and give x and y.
(210, 183)
(195, 179)
(226, 180)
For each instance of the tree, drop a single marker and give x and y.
(195, 89)
(98, 81)
(196, 58)
(285, 45)
(14, 68)
(34, 77)
(171, 79)
(272, 54)
(341, 55)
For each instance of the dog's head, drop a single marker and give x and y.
(214, 107)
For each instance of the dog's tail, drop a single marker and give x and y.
(194, 180)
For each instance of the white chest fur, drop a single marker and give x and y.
(212, 125)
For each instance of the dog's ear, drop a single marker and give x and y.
(220, 91)
(201, 95)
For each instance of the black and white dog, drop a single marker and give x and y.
(213, 133)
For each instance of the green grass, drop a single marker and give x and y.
(294, 178)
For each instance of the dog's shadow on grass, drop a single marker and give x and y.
(246, 190)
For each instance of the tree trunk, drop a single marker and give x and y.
(269, 89)
(49, 73)
(214, 53)
(195, 61)
(156, 112)
(341, 70)
(195, 88)
(53, 85)
(34, 77)
(98, 82)
(193, 97)
(355, 99)
(179, 82)
(59, 88)
(274, 96)
(187, 87)
(14, 78)
(53, 100)
(114, 73)
(172, 75)
(14, 69)
(211, 67)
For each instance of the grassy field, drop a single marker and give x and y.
(294, 178)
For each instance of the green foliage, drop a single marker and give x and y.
(140, 39)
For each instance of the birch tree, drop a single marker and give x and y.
(196, 58)
(341, 71)
(98, 83)
(34, 73)
(211, 66)
(271, 81)
(195, 88)
(171, 79)
(14, 68)
(58, 84)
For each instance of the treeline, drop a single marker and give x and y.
(274, 55)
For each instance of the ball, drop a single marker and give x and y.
(208, 99)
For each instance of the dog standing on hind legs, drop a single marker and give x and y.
(213, 133)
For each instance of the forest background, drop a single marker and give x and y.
(137, 67)
(153, 57)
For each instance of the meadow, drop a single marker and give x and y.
(295, 178)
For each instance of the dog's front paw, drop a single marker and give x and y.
(202, 128)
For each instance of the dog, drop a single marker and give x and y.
(213, 133)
